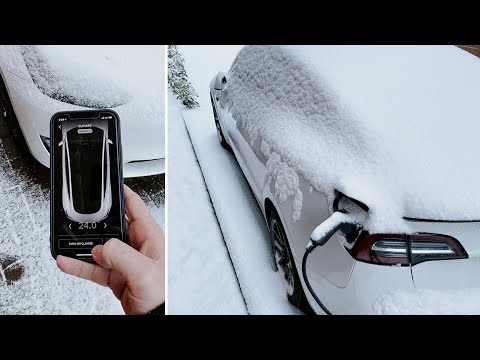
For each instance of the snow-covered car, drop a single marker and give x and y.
(83, 147)
(371, 152)
(38, 81)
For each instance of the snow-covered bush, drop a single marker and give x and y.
(178, 79)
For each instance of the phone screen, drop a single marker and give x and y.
(87, 198)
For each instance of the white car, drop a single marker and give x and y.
(80, 148)
(38, 81)
(365, 158)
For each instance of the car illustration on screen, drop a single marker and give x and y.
(86, 186)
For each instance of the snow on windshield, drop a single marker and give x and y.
(77, 80)
(393, 126)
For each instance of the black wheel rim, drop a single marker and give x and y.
(282, 256)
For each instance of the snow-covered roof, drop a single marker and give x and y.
(394, 126)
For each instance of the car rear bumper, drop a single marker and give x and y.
(441, 287)
(367, 283)
(377, 289)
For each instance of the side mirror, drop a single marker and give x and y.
(323, 232)
(220, 81)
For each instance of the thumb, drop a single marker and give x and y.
(117, 255)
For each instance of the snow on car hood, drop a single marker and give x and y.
(82, 78)
(101, 76)
(128, 78)
(394, 126)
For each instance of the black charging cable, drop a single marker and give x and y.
(346, 228)
(308, 251)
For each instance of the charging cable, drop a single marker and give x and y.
(320, 236)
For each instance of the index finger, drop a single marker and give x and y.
(135, 207)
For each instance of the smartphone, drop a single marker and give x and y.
(86, 182)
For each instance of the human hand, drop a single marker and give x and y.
(136, 273)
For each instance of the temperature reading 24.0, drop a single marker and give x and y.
(87, 226)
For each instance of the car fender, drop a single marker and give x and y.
(11, 61)
(332, 261)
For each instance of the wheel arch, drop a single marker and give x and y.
(270, 205)
(268, 208)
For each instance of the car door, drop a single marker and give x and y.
(252, 167)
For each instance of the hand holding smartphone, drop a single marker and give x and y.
(86, 182)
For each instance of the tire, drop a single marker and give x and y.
(221, 137)
(7, 112)
(285, 263)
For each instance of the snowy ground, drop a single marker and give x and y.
(30, 282)
(201, 279)
(239, 216)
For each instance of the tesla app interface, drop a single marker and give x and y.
(87, 209)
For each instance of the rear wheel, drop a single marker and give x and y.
(8, 115)
(221, 137)
(285, 263)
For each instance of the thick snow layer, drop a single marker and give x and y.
(394, 126)
(429, 302)
(201, 279)
(328, 225)
(286, 182)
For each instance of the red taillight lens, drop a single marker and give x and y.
(405, 250)
(425, 247)
(382, 249)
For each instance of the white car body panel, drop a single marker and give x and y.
(142, 142)
(447, 274)
(450, 274)
(367, 283)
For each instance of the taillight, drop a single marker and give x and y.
(424, 247)
(406, 250)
